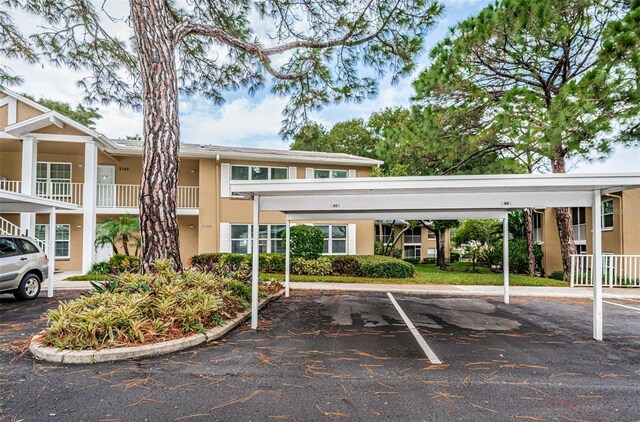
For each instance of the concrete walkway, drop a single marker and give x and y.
(429, 289)
(445, 289)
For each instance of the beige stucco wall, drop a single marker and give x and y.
(74, 262)
(624, 238)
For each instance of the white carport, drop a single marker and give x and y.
(11, 202)
(433, 197)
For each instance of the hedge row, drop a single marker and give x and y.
(373, 266)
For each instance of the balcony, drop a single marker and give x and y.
(107, 195)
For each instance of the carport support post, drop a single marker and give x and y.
(597, 266)
(287, 259)
(52, 251)
(505, 257)
(255, 250)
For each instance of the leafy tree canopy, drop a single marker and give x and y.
(86, 116)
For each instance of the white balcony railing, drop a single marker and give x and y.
(107, 195)
(128, 196)
(412, 239)
(11, 185)
(60, 191)
(617, 270)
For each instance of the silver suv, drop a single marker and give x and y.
(23, 267)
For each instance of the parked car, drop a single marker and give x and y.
(23, 267)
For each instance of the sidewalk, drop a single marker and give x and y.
(444, 289)
(429, 289)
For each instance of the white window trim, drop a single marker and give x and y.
(46, 239)
(249, 166)
(330, 239)
(48, 180)
(268, 239)
(311, 173)
(415, 246)
(611, 227)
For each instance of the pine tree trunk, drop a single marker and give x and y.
(527, 213)
(563, 222)
(155, 49)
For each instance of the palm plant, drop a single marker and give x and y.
(122, 229)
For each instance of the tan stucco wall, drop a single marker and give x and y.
(624, 238)
(74, 262)
(25, 112)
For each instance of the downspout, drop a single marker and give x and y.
(544, 244)
(218, 200)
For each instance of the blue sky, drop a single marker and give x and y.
(255, 121)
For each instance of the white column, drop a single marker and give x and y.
(89, 205)
(52, 250)
(505, 257)
(596, 215)
(255, 250)
(29, 164)
(287, 260)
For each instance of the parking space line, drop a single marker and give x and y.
(425, 347)
(622, 306)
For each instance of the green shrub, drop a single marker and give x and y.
(557, 275)
(345, 265)
(377, 250)
(136, 308)
(100, 268)
(518, 256)
(121, 263)
(320, 267)
(413, 261)
(306, 242)
(384, 267)
(454, 257)
(272, 262)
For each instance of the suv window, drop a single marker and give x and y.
(8, 247)
(27, 246)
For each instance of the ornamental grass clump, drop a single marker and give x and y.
(134, 309)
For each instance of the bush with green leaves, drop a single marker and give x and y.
(121, 263)
(306, 242)
(375, 266)
(320, 267)
(454, 257)
(518, 256)
(557, 275)
(346, 265)
(100, 268)
(135, 308)
(377, 250)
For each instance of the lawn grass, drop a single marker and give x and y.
(430, 274)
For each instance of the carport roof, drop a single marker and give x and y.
(19, 202)
(430, 197)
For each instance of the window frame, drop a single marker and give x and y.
(48, 181)
(331, 176)
(267, 242)
(578, 224)
(410, 234)
(606, 227)
(250, 172)
(537, 226)
(417, 251)
(46, 239)
(330, 239)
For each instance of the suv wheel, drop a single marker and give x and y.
(29, 287)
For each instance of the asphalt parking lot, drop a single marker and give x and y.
(337, 356)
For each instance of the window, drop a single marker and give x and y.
(412, 251)
(537, 227)
(413, 236)
(8, 247)
(607, 214)
(63, 238)
(28, 247)
(581, 249)
(53, 179)
(259, 173)
(335, 239)
(387, 233)
(269, 240)
(579, 225)
(431, 235)
(330, 174)
(432, 253)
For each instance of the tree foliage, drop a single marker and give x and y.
(307, 242)
(86, 116)
(119, 231)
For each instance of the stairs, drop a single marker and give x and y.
(7, 228)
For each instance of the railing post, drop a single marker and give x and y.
(573, 270)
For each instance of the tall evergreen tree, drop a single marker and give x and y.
(209, 47)
(536, 66)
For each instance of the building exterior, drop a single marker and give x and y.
(417, 243)
(620, 229)
(48, 155)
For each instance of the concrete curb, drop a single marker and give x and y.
(52, 354)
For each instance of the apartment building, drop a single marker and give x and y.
(417, 243)
(46, 154)
(620, 229)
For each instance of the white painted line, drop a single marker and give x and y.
(622, 306)
(425, 347)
